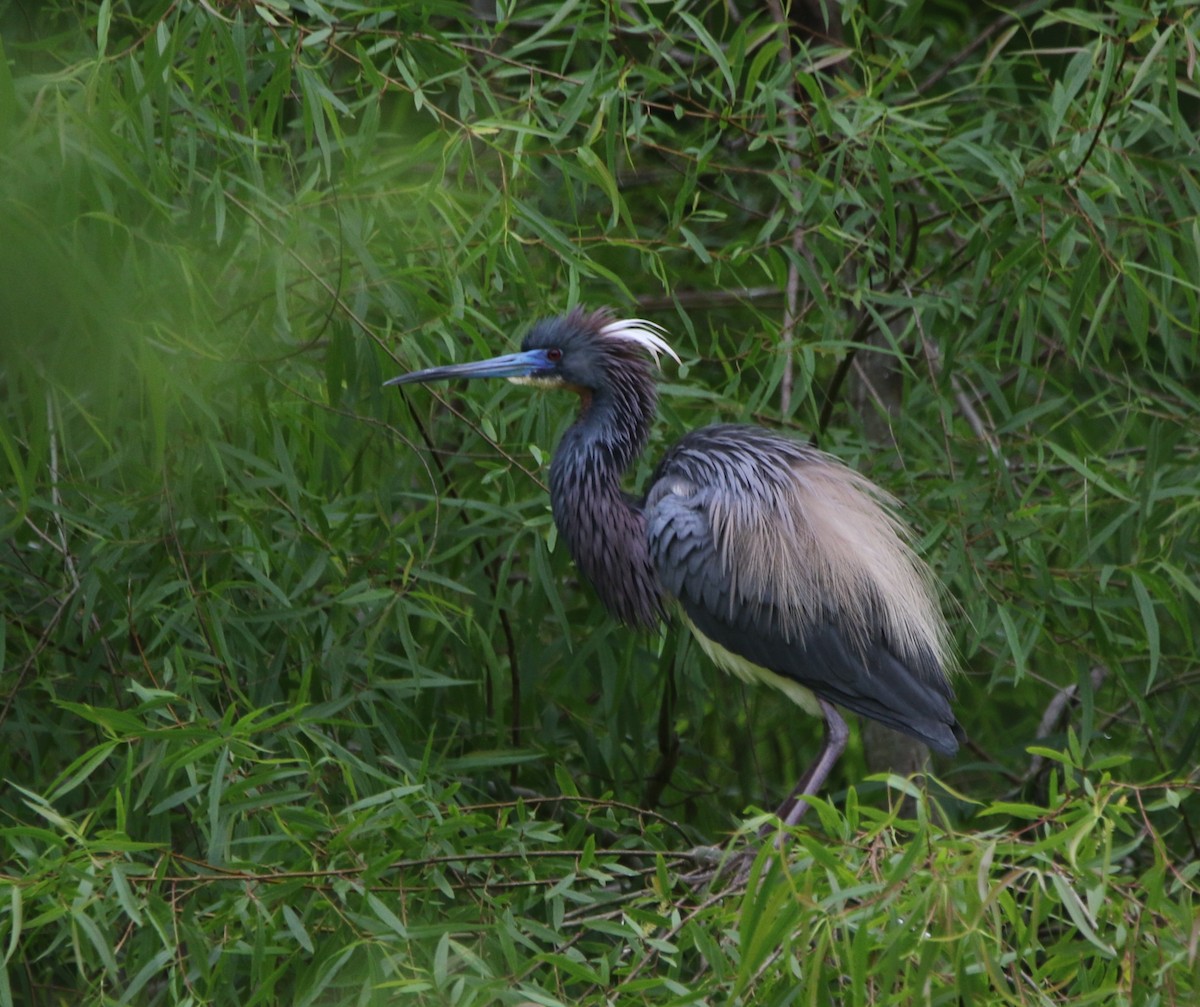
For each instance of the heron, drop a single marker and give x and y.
(789, 567)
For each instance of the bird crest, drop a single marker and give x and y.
(648, 335)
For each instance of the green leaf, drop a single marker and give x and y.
(712, 48)
(1149, 623)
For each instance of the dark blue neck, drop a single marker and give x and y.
(604, 529)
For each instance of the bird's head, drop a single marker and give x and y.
(587, 352)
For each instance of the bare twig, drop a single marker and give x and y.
(966, 406)
(703, 299)
(998, 25)
(791, 311)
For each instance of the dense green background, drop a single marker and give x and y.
(301, 700)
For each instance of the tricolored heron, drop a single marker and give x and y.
(789, 567)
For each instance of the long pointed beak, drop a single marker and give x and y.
(511, 365)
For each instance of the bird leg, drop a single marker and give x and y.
(836, 734)
(738, 864)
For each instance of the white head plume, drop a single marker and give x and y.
(648, 335)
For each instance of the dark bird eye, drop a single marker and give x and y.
(554, 355)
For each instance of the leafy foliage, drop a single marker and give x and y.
(302, 702)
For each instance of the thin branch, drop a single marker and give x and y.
(933, 358)
(787, 332)
(998, 25)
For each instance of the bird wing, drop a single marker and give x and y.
(791, 568)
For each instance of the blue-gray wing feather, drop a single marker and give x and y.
(867, 676)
